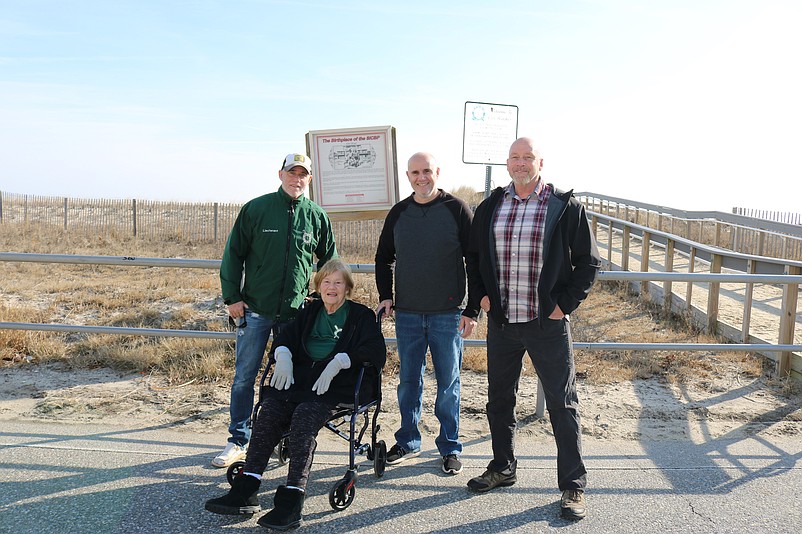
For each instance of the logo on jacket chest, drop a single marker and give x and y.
(337, 331)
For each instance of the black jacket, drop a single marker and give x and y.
(361, 339)
(570, 257)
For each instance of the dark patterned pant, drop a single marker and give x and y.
(276, 418)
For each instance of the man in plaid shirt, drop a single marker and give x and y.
(538, 260)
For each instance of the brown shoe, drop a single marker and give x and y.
(491, 479)
(572, 504)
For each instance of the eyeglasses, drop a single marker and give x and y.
(239, 322)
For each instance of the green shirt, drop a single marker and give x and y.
(326, 332)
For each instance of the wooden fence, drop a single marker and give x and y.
(212, 221)
(158, 221)
(778, 216)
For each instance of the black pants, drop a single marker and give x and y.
(276, 418)
(549, 348)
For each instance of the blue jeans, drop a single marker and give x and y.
(440, 333)
(251, 344)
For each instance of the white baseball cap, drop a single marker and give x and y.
(297, 160)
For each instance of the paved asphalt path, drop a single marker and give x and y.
(93, 479)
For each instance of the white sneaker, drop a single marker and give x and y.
(230, 454)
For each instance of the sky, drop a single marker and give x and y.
(692, 105)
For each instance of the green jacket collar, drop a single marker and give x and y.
(287, 198)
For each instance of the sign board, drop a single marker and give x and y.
(489, 131)
(353, 169)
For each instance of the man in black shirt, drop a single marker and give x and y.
(425, 237)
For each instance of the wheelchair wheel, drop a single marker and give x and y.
(380, 458)
(283, 454)
(234, 470)
(342, 494)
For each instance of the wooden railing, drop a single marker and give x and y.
(738, 233)
(628, 246)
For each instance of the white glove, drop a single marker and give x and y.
(340, 361)
(282, 370)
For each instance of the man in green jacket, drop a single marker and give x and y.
(265, 275)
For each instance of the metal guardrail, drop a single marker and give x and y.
(134, 261)
(205, 334)
(369, 268)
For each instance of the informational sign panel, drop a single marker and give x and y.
(489, 131)
(353, 169)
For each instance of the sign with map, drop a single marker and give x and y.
(354, 169)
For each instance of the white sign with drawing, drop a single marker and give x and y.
(353, 169)
(489, 131)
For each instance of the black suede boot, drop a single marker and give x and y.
(286, 512)
(241, 499)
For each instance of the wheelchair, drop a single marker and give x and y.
(357, 417)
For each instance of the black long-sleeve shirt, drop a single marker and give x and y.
(427, 245)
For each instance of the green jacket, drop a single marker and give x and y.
(276, 263)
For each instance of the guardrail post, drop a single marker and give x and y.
(594, 224)
(644, 262)
(625, 249)
(712, 295)
(748, 296)
(610, 244)
(691, 266)
(718, 234)
(787, 321)
(669, 268)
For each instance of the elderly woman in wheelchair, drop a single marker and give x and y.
(318, 361)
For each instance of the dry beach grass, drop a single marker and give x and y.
(176, 381)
